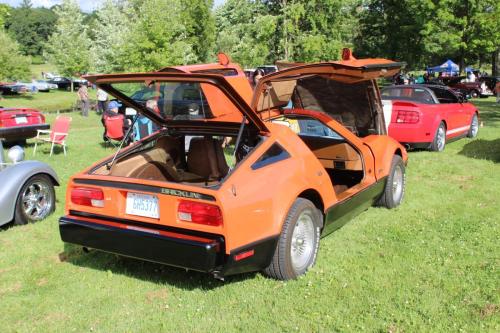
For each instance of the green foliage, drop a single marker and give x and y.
(197, 18)
(158, 37)
(31, 27)
(424, 32)
(68, 47)
(4, 14)
(110, 30)
(13, 66)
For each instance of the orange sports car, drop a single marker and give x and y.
(234, 182)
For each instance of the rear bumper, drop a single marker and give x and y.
(203, 255)
(21, 132)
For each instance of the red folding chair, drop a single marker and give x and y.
(114, 128)
(56, 136)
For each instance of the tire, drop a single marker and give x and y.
(439, 141)
(474, 94)
(474, 127)
(394, 190)
(35, 201)
(298, 243)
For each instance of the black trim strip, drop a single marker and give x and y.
(340, 213)
(126, 222)
(270, 156)
(146, 188)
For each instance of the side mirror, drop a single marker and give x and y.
(16, 154)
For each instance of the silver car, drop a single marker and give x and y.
(26, 188)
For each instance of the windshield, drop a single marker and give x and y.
(174, 100)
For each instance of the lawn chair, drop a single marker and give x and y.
(143, 127)
(114, 129)
(56, 136)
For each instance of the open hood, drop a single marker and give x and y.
(172, 98)
(276, 89)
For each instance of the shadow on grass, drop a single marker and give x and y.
(144, 270)
(482, 149)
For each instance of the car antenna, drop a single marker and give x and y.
(238, 139)
(110, 165)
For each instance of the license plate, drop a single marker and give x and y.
(142, 205)
(21, 120)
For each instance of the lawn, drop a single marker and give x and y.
(430, 265)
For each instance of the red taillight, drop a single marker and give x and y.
(408, 117)
(198, 212)
(87, 196)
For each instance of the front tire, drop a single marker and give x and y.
(474, 127)
(35, 201)
(439, 141)
(394, 190)
(474, 94)
(298, 243)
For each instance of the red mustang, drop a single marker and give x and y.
(19, 124)
(427, 116)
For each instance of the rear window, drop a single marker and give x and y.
(181, 100)
(408, 93)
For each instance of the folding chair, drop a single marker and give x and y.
(143, 127)
(56, 136)
(114, 128)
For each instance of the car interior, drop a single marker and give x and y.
(341, 161)
(202, 160)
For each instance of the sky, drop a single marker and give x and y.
(86, 5)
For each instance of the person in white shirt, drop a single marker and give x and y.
(102, 98)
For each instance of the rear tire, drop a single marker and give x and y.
(394, 190)
(298, 243)
(439, 141)
(474, 127)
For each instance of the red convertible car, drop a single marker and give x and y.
(19, 124)
(427, 116)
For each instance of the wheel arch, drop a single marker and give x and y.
(314, 196)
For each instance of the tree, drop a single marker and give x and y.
(4, 14)
(68, 47)
(158, 37)
(26, 4)
(31, 27)
(197, 18)
(245, 31)
(111, 28)
(14, 65)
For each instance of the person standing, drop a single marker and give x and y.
(102, 98)
(83, 97)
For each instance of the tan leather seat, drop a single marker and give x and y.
(206, 158)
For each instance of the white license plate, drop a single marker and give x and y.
(142, 205)
(21, 120)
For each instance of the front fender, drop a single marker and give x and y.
(13, 178)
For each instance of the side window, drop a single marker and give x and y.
(274, 154)
(313, 127)
(444, 96)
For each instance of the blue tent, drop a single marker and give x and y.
(448, 67)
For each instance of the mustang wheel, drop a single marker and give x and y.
(298, 243)
(395, 186)
(439, 138)
(474, 127)
(35, 201)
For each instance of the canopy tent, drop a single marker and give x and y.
(470, 69)
(448, 67)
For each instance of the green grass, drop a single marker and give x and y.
(36, 70)
(53, 101)
(430, 265)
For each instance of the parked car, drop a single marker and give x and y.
(307, 154)
(38, 85)
(12, 89)
(19, 124)
(428, 116)
(475, 89)
(27, 193)
(64, 83)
